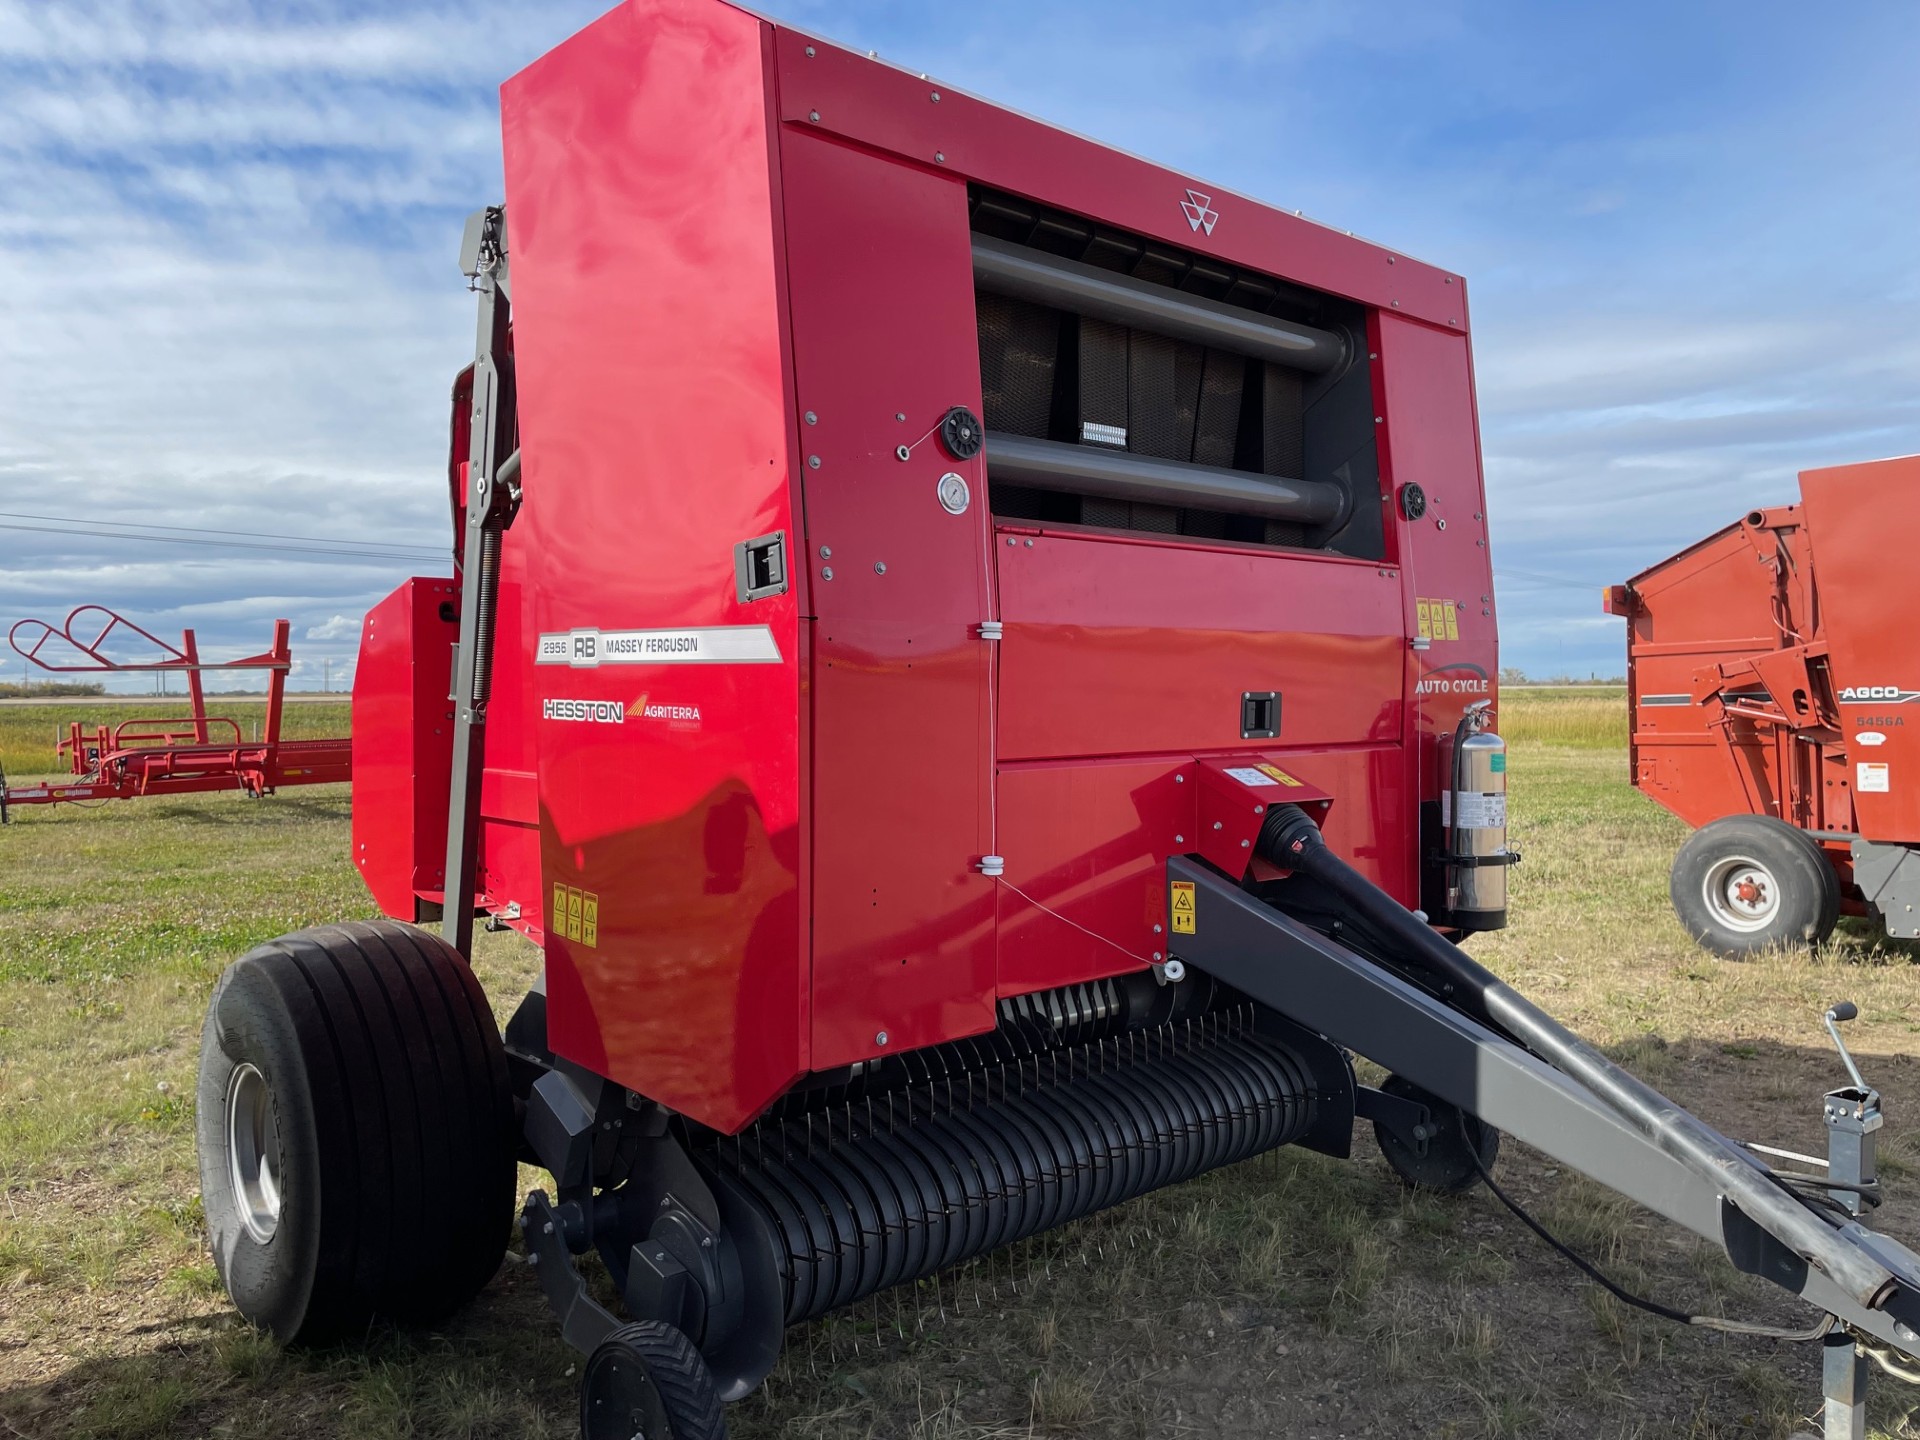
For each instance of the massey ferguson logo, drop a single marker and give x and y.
(1198, 208)
(1877, 695)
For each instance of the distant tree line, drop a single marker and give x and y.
(1514, 675)
(36, 689)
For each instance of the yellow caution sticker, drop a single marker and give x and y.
(1437, 619)
(1276, 773)
(576, 915)
(1183, 907)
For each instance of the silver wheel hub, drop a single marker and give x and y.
(253, 1152)
(1741, 894)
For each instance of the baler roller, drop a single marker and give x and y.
(1022, 273)
(875, 1191)
(1119, 475)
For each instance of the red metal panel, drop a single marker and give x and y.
(1864, 531)
(1430, 437)
(1115, 646)
(881, 281)
(1087, 843)
(843, 93)
(655, 421)
(402, 744)
(1086, 847)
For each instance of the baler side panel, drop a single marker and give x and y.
(881, 287)
(1710, 605)
(1117, 647)
(655, 418)
(1430, 437)
(402, 745)
(1869, 594)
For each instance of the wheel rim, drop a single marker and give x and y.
(1741, 894)
(253, 1152)
(622, 1403)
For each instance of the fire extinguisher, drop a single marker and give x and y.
(1473, 811)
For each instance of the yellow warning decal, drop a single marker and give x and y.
(576, 915)
(1183, 907)
(1276, 773)
(1437, 619)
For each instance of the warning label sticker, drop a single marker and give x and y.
(1182, 907)
(1278, 774)
(1247, 775)
(1870, 776)
(1479, 810)
(1437, 619)
(576, 915)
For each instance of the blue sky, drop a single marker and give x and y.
(227, 235)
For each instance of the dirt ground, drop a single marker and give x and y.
(1292, 1296)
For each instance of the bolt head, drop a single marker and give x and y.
(827, 574)
(879, 567)
(881, 1038)
(813, 462)
(826, 552)
(814, 116)
(812, 419)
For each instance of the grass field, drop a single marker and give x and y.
(30, 733)
(1292, 1296)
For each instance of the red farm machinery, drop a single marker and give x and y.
(176, 755)
(1771, 674)
(972, 659)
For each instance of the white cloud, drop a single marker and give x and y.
(227, 229)
(340, 627)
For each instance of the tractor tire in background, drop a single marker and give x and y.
(1750, 882)
(356, 1131)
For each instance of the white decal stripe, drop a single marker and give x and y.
(587, 649)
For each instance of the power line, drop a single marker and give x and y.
(214, 530)
(334, 551)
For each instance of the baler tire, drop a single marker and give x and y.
(672, 1371)
(355, 1130)
(1457, 1157)
(1803, 909)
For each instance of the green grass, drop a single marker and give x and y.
(1295, 1295)
(1585, 717)
(29, 734)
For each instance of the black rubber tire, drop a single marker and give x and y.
(679, 1389)
(1448, 1164)
(1804, 908)
(392, 1130)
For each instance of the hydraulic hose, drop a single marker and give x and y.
(1290, 839)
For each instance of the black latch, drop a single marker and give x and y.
(1259, 714)
(760, 566)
